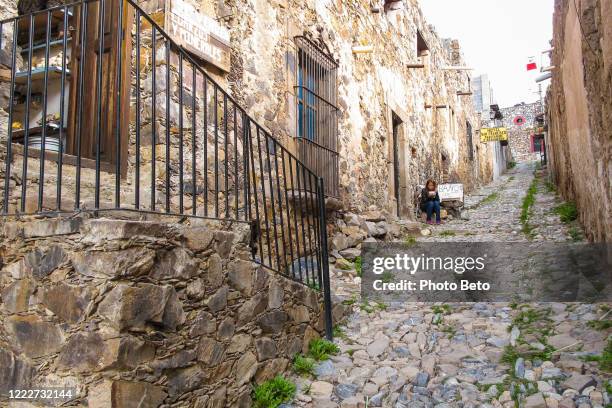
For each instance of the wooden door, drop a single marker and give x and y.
(94, 96)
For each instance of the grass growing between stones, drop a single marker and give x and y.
(441, 309)
(410, 240)
(303, 365)
(567, 212)
(338, 332)
(367, 307)
(358, 266)
(511, 165)
(447, 234)
(490, 198)
(321, 349)
(575, 234)
(273, 393)
(600, 325)
(528, 203)
(605, 360)
(537, 325)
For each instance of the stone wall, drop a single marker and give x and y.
(129, 311)
(370, 87)
(579, 110)
(520, 132)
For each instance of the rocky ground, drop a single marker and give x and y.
(415, 355)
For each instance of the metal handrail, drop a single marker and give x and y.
(205, 158)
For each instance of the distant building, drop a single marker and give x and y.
(523, 132)
(482, 96)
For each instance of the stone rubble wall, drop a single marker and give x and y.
(579, 111)
(519, 136)
(370, 87)
(127, 311)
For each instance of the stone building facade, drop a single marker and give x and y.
(394, 81)
(520, 120)
(579, 111)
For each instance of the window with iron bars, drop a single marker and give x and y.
(317, 112)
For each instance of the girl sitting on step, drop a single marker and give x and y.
(430, 201)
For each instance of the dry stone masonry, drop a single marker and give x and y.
(129, 311)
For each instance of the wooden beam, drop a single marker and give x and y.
(415, 66)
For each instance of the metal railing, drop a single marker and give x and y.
(127, 120)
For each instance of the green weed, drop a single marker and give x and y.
(528, 202)
(490, 198)
(321, 349)
(600, 324)
(441, 309)
(358, 266)
(303, 365)
(511, 165)
(273, 393)
(575, 234)
(567, 212)
(447, 234)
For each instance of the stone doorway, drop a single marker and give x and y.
(398, 165)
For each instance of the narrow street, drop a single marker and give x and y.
(468, 355)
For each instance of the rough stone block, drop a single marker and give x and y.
(39, 263)
(273, 321)
(198, 238)
(101, 229)
(224, 243)
(266, 348)
(51, 227)
(245, 368)
(114, 264)
(175, 264)
(239, 343)
(67, 302)
(185, 380)
(218, 301)
(16, 296)
(210, 352)
(214, 273)
(269, 369)
(34, 337)
(123, 394)
(15, 373)
(241, 276)
(133, 307)
(84, 352)
(204, 323)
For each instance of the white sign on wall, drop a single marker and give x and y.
(450, 192)
(199, 33)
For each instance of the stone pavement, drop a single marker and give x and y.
(472, 354)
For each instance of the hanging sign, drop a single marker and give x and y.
(199, 34)
(498, 134)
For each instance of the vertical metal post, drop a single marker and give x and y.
(9, 141)
(327, 309)
(118, 93)
(137, 130)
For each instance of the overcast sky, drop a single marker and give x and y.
(497, 37)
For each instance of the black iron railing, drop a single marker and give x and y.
(106, 112)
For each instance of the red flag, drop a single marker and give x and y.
(531, 66)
